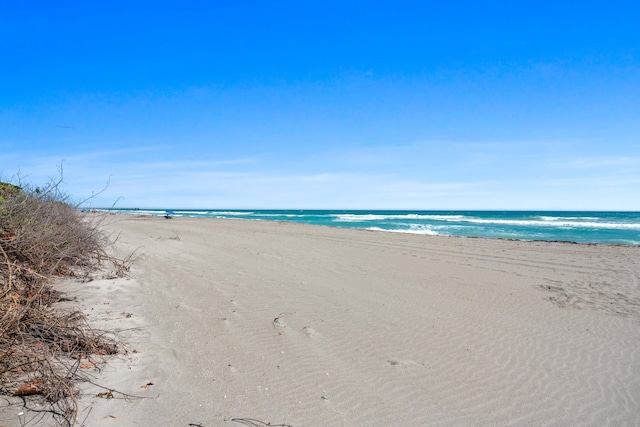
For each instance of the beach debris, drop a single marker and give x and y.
(30, 388)
(79, 355)
(146, 386)
(44, 238)
(109, 394)
(257, 423)
(310, 332)
(86, 365)
(278, 322)
(105, 394)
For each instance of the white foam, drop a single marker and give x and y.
(378, 217)
(358, 218)
(413, 230)
(229, 213)
(192, 212)
(564, 218)
(570, 224)
(543, 221)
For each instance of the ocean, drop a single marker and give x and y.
(620, 228)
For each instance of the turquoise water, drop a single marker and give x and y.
(583, 227)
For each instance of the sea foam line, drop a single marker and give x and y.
(423, 231)
(379, 217)
(555, 222)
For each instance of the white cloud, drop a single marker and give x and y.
(600, 163)
(145, 177)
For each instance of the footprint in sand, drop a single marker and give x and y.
(310, 332)
(278, 323)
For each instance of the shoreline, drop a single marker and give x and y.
(569, 242)
(615, 228)
(282, 323)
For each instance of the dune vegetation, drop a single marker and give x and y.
(43, 239)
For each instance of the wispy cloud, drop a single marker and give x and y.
(410, 176)
(599, 162)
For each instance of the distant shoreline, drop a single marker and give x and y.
(582, 227)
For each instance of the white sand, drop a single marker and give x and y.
(315, 326)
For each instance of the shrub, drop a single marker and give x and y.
(43, 236)
(7, 190)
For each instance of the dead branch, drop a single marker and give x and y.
(43, 237)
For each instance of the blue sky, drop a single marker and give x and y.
(325, 104)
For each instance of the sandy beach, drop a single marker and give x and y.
(233, 323)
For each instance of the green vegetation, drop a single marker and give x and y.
(8, 190)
